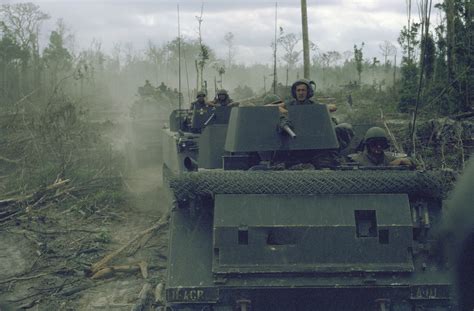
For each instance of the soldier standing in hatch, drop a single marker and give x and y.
(222, 99)
(375, 144)
(200, 102)
(146, 90)
(302, 92)
(162, 87)
(275, 100)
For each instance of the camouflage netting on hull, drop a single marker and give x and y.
(209, 183)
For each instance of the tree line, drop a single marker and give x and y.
(435, 69)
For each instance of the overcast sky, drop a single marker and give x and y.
(333, 24)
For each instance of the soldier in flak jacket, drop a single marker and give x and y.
(222, 99)
(375, 144)
(200, 102)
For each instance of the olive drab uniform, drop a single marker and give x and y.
(227, 101)
(200, 101)
(366, 157)
(198, 105)
(344, 134)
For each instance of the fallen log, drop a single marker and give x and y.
(25, 278)
(10, 161)
(464, 115)
(144, 298)
(160, 294)
(163, 221)
(110, 271)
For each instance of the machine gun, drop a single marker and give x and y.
(285, 126)
(211, 117)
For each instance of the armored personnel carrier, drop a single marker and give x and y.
(250, 230)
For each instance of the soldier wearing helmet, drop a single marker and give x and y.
(271, 100)
(375, 144)
(222, 99)
(147, 90)
(301, 91)
(275, 100)
(200, 101)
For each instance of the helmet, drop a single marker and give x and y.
(200, 93)
(271, 99)
(222, 92)
(306, 82)
(376, 133)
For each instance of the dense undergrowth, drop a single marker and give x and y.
(440, 141)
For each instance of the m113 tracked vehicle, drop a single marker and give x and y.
(250, 230)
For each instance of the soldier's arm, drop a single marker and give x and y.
(402, 162)
(332, 107)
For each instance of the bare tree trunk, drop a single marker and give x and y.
(450, 37)
(425, 24)
(201, 72)
(202, 62)
(304, 19)
(198, 88)
(394, 69)
(469, 96)
(409, 26)
(275, 52)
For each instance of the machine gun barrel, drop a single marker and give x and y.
(289, 131)
(213, 115)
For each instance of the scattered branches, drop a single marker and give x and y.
(101, 264)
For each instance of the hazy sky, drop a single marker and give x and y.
(333, 24)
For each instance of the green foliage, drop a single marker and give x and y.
(10, 50)
(409, 69)
(56, 142)
(56, 53)
(103, 236)
(368, 102)
(408, 86)
(429, 57)
(358, 58)
(447, 59)
(21, 22)
(409, 42)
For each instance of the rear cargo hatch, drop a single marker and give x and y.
(312, 233)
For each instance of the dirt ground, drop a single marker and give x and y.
(47, 253)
